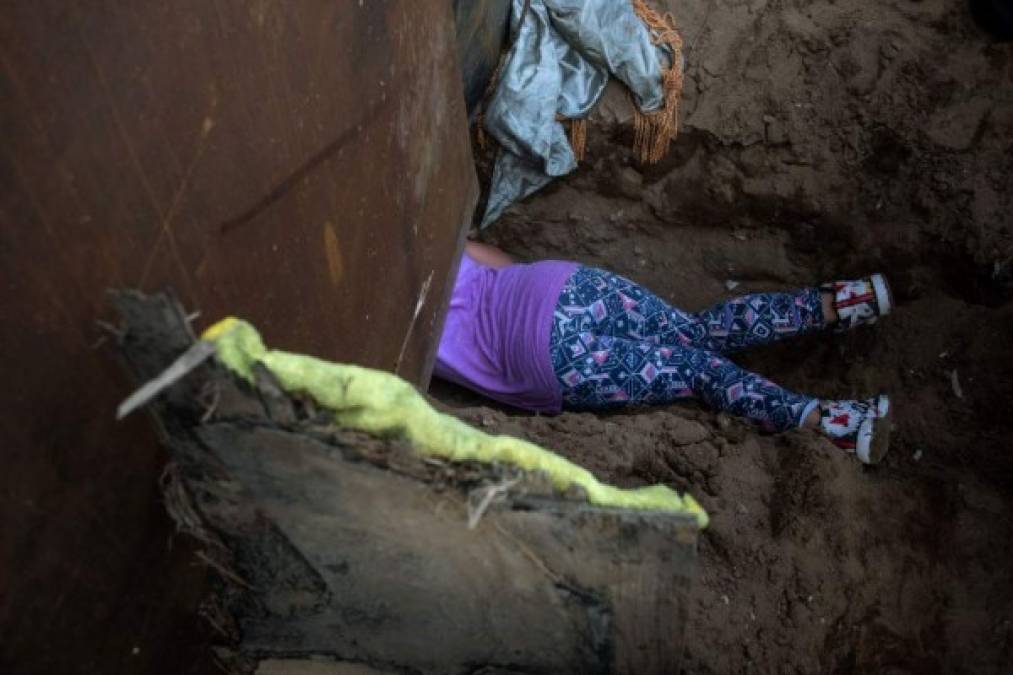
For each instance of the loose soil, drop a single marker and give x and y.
(820, 140)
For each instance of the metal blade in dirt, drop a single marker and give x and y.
(200, 352)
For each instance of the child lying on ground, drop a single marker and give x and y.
(552, 335)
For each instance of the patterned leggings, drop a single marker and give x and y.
(615, 343)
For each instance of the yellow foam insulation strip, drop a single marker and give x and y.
(381, 403)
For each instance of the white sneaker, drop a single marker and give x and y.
(861, 427)
(861, 301)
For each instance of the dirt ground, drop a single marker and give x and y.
(820, 139)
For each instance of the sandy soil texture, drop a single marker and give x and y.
(821, 140)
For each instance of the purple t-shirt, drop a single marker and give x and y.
(496, 336)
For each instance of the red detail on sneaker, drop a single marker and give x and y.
(844, 443)
(841, 419)
(855, 300)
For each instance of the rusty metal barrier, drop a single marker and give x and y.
(305, 165)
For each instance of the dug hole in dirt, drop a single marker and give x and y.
(819, 140)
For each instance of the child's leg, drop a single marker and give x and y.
(599, 302)
(767, 317)
(597, 372)
(762, 318)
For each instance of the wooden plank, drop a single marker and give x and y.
(381, 569)
(303, 164)
(349, 548)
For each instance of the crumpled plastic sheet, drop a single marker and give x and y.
(563, 52)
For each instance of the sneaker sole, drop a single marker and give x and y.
(874, 434)
(884, 298)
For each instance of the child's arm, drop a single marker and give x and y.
(487, 255)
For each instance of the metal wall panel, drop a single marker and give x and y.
(482, 27)
(304, 165)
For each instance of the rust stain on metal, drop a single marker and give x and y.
(332, 251)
